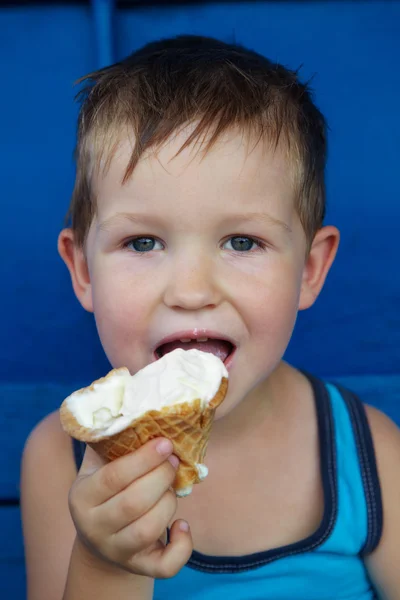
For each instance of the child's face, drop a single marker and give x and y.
(195, 265)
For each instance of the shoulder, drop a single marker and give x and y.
(48, 426)
(47, 456)
(383, 562)
(47, 451)
(49, 443)
(386, 439)
(379, 421)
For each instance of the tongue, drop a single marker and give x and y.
(220, 348)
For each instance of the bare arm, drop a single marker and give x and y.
(384, 563)
(89, 578)
(102, 531)
(57, 565)
(47, 472)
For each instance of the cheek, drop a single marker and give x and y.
(279, 312)
(272, 307)
(269, 311)
(121, 315)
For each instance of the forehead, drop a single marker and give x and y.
(236, 171)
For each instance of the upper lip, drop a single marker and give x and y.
(194, 334)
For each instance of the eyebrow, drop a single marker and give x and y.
(118, 217)
(152, 219)
(263, 217)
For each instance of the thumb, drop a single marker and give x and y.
(91, 462)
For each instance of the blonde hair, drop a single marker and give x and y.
(170, 83)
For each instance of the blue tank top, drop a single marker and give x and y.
(328, 565)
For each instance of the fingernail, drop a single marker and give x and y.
(183, 526)
(174, 460)
(164, 447)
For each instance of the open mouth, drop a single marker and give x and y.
(220, 348)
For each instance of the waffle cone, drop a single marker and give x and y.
(186, 425)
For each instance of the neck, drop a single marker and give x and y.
(260, 407)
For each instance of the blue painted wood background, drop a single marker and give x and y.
(48, 344)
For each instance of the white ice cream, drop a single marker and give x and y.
(179, 376)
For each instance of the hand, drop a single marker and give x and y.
(121, 510)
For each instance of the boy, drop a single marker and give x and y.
(197, 215)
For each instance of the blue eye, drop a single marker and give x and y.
(142, 244)
(238, 243)
(241, 243)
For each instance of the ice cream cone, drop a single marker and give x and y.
(187, 425)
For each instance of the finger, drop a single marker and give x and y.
(146, 531)
(164, 563)
(91, 462)
(136, 500)
(115, 476)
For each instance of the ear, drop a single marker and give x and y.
(74, 258)
(320, 258)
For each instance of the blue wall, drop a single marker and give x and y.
(352, 51)
(48, 344)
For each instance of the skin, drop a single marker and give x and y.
(189, 208)
(190, 211)
(193, 277)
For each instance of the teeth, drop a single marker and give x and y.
(186, 340)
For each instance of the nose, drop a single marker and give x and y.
(192, 284)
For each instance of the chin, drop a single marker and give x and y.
(225, 408)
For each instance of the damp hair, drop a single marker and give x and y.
(212, 85)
